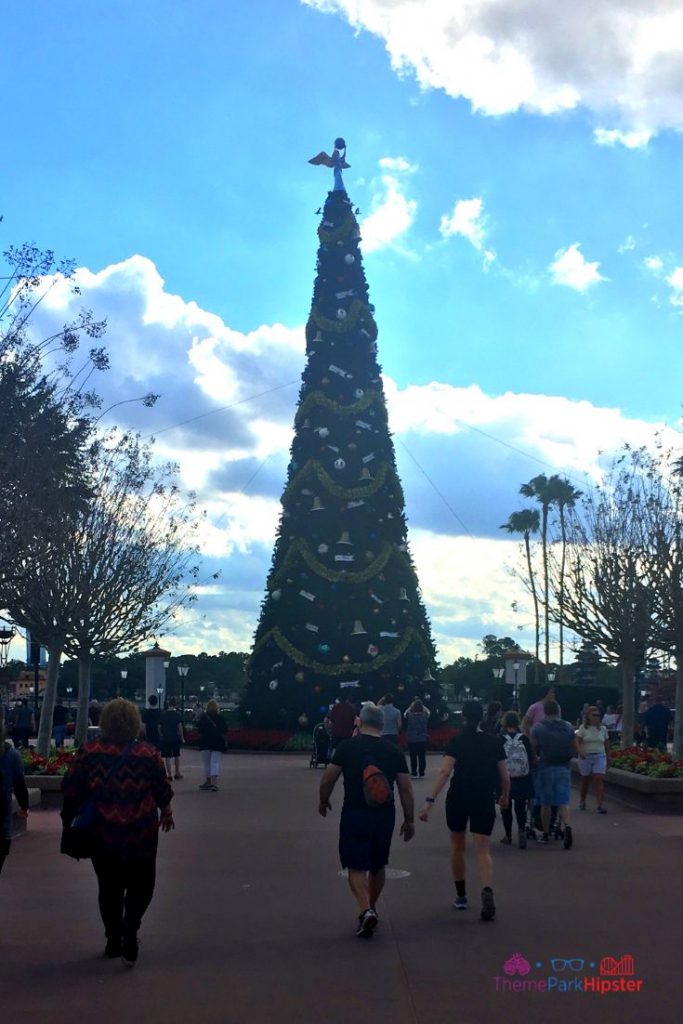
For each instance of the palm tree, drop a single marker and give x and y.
(527, 523)
(541, 490)
(564, 497)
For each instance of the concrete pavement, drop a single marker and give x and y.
(251, 921)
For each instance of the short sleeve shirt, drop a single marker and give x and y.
(355, 754)
(475, 774)
(536, 714)
(594, 737)
(392, 720)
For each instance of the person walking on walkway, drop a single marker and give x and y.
(555, 744)
(151, 719)
(212, 730)
(536, 712)
(657, 719)
(476, 765)
(11, 782)
(370, 766)
(520, 765)
(490, 723)
(126, 778)
(171, 729)
(417, 734)
(392, 720)
(24, 724)
(60, 717)
(342, 718)
(592, 740)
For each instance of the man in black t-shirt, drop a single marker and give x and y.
(475, 763)
(171, 729)
(365, 831)
(151, 719)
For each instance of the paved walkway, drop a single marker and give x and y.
(252, 922)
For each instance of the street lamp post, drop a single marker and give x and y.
(182, 672)
(515, 692)
(124, 676)
(69, 691)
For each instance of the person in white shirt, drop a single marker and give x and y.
(592, 740)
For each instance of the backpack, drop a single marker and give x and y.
(517, 757)
(559, 746)
(376, 788)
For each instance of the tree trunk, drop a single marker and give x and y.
(84, 662)
(628, 703)
(563, 566)
(678, 716)
(534, 594)
(546, 609)
(49, 698)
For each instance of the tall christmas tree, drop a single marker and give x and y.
(343, 613)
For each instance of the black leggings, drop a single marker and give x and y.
(520, 814)
(125, 891)
(417, 753)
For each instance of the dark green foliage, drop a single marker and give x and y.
(343, 611)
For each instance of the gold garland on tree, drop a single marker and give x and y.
(344, 229)
(346, 493)
(344, 668)
(357, 311)
(300, 547)
(318, 398)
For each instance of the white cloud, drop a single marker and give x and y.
(654, 263)
(571, 269)
(397, 163)
(468, 220)
(631, 140)
(675, 282)
(627, 245)
(237, 460)
(392, 212)
(619, 59)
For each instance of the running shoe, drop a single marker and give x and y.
(601, 810)
(460, 903)
(112, 949)
(205, 785)
(545, 839)
(507, 840)
(488, 907)
(367, 922)
(568, 837)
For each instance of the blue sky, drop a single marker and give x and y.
(519, 181)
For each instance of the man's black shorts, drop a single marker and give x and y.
(365, 837)
(170, 748)
(481, 815)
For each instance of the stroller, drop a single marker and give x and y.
(320, 755)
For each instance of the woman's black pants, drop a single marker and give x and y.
(418, 760)
(125, 891)
(520, 814)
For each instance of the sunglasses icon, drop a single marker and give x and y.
(561, 965)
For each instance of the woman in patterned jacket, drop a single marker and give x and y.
(127, 780)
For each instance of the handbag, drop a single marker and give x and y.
(79, 835)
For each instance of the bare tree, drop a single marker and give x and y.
(607, 596)
(132, 561)
(663, 514)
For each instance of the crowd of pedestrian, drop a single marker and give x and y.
(496, 761)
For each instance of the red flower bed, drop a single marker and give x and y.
(654, 763)
(36, 765)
